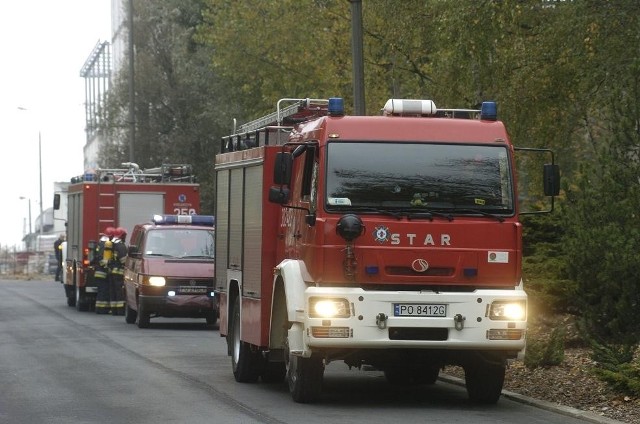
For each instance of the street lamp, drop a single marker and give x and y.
(40, 173)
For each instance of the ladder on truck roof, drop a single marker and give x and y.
(165, 173)
(105, 178)
(256, 133)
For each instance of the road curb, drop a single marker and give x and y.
(543, 404)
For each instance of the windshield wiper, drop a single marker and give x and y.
(429, 214)
(388, 212)
(480, 212)
(417, 213)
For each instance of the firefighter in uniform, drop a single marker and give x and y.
(103, 255)
(116, 272)
(57, 247)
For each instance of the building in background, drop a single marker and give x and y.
(97, 72)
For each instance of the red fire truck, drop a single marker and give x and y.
(388, 242)
(118, 198)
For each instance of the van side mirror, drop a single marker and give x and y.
(56, 202)
(133, 251)
(551, 175)
(282, 168)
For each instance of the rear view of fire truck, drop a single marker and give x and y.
(391, 242)
(118, 198)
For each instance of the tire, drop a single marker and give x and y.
(409, 377)
(304, 377)
(143, 317)
(70, 293)
(211, 318)
(130, 315)
(69, 290)
(484, 381)
(274, 372)
(244, 362)
(83, 304)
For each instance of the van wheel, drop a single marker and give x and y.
(144, 318)
(304, 377)
(130, 315)
(211, 318)
(243, 361)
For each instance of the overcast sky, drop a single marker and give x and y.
(44, 44)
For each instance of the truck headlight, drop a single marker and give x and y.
(157, 281)
(320, 307)
(508, 310)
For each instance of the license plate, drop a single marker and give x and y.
(192, 290)
(419, 310)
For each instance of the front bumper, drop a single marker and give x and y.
(372, 322)
(171, 304)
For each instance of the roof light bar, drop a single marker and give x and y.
(409, 107)
(203, 220)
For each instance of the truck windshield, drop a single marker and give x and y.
(419, 176)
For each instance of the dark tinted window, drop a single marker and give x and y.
(405, 175)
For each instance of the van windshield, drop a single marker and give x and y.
(437, 176)
(180, 243)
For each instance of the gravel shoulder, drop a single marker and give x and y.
(570, 384)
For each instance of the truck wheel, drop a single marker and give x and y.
(143, 318)
(484, 381)
(304, 376)
(407, 377)
(82, 303)
(274, 372)
(244, 362)
(130, 315)
(69, 291)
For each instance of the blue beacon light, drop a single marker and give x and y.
(489, 111)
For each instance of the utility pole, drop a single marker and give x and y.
(40, 168)
(357, 55)
(132, 95)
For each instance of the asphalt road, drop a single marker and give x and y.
(58, 365)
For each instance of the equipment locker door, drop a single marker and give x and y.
(138, 208)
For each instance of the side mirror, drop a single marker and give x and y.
(56, 202)
(133, 250)
(551, 180)
(279, 195)
(282, 168)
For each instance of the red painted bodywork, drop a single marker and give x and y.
(322, 250)
(100, 210)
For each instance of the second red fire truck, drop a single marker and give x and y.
(391, 242)
(118, 198)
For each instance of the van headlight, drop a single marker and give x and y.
(508, 310)
(320, 307)
(157, 281)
